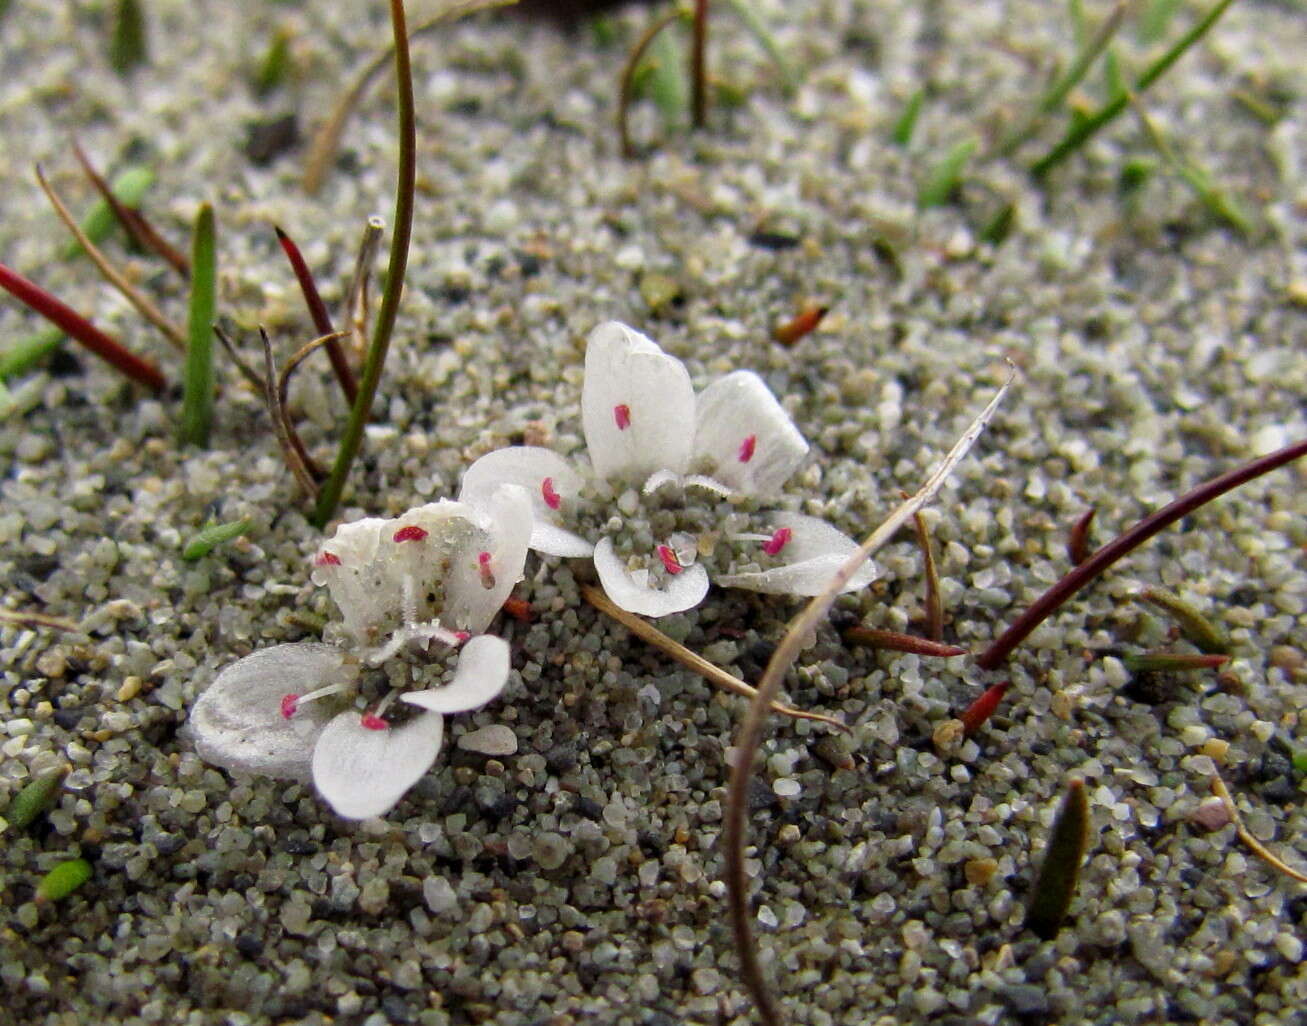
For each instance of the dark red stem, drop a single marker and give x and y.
(78, 327)
(321, 319)
(1076, 579)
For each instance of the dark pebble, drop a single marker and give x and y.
(249, 945)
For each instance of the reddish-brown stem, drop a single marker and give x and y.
(73, 324)
(132, 220)
(983, 707)
(1046, 604)
(804, 322)
(699, 64)
(321, 319)
(1077, 543)
(896, 642)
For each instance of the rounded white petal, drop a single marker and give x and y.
(482, 672)
(475, 591)
(631, 589)
(363, 772)
(814, 552)
(237, 722)
(630, 381)
(530, 466)
(742, 436)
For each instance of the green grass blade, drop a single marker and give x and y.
(34, 799)
(1055, 886)
(275, 67)
(128, 45)
(25, 354)
(211, 535)
(757, 28)
(662, 79)
(197, 395)
(1081, 133)
(944, 177)
(907, 122)
(129, 187)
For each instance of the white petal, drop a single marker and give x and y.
(631, 590)
(742, 436)
(813, 554)
(626, 371)
(471, 598)
(530, 466)
(481, 675)
(363, 772)
(237, 723)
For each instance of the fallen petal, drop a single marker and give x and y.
(363, 772)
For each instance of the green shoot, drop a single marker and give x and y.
(275, 67)
(1055, 886)
(661, 79)
(211, 535)
(944, 178)
(26, 353)
(37, 796)
(1197, 629)
(907, 122)
(1081, 133)
(197, 394)
(329, 496)
(128, 45)
(129, 188)
(757, 28)
(62, 880)
(1155, 17)
(632, 78)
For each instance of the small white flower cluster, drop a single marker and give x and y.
(670, 491)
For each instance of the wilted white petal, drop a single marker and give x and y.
(481, 675)
(812, 554)
(742, 436)
(238, 723)
(363, 772)
(531, 467)
(482, 573)
(637, 405)
(631, 589)
(360, 582)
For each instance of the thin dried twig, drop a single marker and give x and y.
(356, 299)
(246, 371)
(627, 90)
(132, 220)
(1255, 846)
(321, 319)
(24, 618)
(281, 424)
(933, 601)
(147, 309)
(750, 734)
(699, 64)
(327, 140)
(691, 660)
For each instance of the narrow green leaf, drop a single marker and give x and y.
(1205, 635)
(1055, 886)
(62, 880)
(197, 395)
(129, 186)
(34, 799)
(25, 354)
(907, 122)
(275, 67)
(129, 44)
(1171, 662)
(757, 28)
(943, 179)
(211, 535)
(996, 230)
(664, 81)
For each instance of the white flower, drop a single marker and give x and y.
(438, 573)
(672, 485)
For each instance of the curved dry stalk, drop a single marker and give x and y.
(23, 618)
(327, 139)
(147, 309)
(283, 392)
(690, 659)
(628, 77)
(356, 299)
(750, 735)
(1255, 846)
(286, 437)
(255, 379)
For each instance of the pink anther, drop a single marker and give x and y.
(487, 575)
(372, 722)
(289, 703)
(622, 414)
(747, 448)
(326, 559)
(552, 499)
(462, 636)
(670, 563)
(773, 545)
(410, 533)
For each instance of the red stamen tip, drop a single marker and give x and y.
(289, 703)
(372, 722)
(326, 559)
(484, 559)
(670, 563)
(773, 545)
(622, 414)
(747, 447)
(552, 499)
(483, 566)
(410, 533)
(462, 636)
